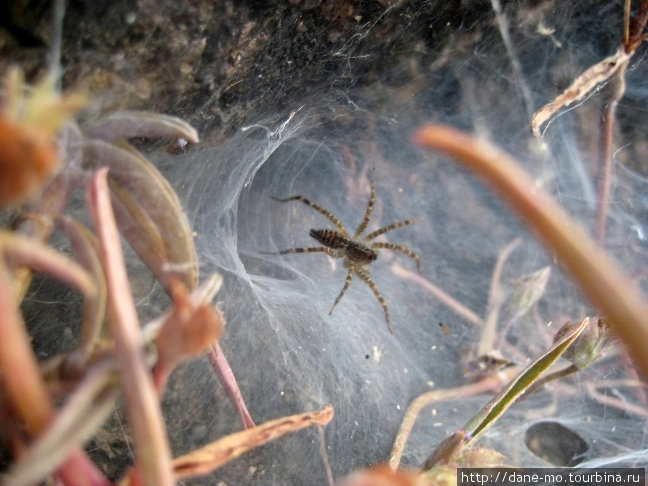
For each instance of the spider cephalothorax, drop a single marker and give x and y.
(358, 251)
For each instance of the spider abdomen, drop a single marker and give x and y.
(356, 251)
(360, 253)
(331, 238)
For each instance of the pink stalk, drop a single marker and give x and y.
(79, 470)
(227, 379)
(143, 409)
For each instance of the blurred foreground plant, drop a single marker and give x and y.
(129, 197)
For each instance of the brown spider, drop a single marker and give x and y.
(358, 252)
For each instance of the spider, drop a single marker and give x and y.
(358, 251)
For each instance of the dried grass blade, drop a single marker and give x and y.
(214, 455)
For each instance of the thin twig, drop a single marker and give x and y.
(626, 22)
(494, 300)
(228, 380)
(447, 300)
(615, 402)
(485, 385)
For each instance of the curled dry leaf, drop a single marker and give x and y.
(592, 77)
(148, 212)
(527, 290)
(214, 455)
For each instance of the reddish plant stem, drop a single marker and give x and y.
(228, 380)
(614, 92)
(25, 388)
(79, 470)
(143, 409)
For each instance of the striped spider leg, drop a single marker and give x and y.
(358, 252)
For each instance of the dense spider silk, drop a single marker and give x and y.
(289, 355)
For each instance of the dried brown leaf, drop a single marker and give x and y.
(214, 455)
(592, 77)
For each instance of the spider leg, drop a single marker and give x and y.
(393, 226)
(370, 205)
(402, 249)
(322, 249)
(347, 282)
(336, 222)
(364, 276)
